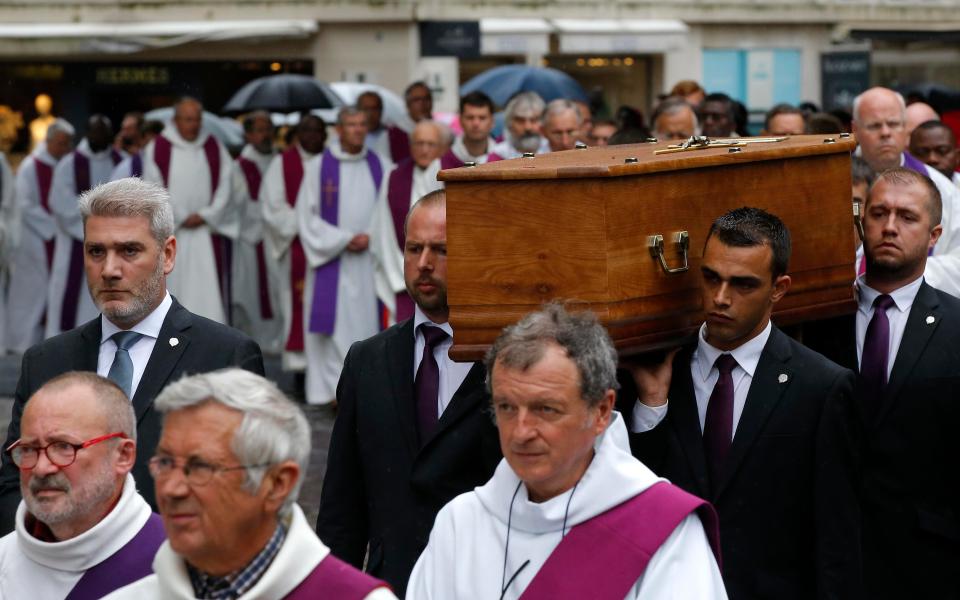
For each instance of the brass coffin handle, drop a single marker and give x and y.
(682, 241)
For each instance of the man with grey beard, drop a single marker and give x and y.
(143, 338)
(523, 119)
(82, 528)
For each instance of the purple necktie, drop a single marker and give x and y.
(718, 425)
(426, 386)
(876, 346)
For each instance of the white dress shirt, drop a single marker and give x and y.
(705, 376)
(140, 352)
(452, 373)
(896, 315)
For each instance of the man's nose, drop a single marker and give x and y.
(721, 296)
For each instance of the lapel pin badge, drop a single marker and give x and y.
(782, 378)
(930, 320)
(174, 342)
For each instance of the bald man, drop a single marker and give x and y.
(413, 178)
(919, 112)
(879, 122)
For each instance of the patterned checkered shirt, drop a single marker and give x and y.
(234, 585)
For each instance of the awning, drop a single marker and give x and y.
(601, 36)
(500, 37)
(133, 37)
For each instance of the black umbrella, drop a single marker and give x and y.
(283, 93)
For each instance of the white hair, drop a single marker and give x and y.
(898, 95)
(131, 197)
(273, 429)
(524, 102)
(60, 126)
(443, 131)
(560, 106)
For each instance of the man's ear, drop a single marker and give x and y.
(280, 481)
(169, 254)
(780, 286)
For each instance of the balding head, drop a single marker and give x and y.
(919, 112)
(427, 142)
(879, 116)
(188, 117)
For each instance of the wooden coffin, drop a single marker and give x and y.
(574, 226)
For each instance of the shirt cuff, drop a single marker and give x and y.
(645, 417)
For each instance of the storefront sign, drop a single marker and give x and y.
(450, 38)
(844, 75)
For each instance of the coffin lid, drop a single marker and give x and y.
(611, 161)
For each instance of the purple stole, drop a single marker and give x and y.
(399, 188)
(128, 564)
(910, 162)
(44, 179)
(399, 143)
(136, 165)
(162, 149)
(619, 544)
(333, 578)
(292, 178)
(71, 293)
(323, 309)
(252, 174)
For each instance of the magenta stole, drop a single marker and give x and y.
(399, 188)
(615, 547)
(335, 579)
(292, 178)
(323, 309)
(222, 250)
(251, 173)
(71, 293)
(44, 180)
(399, 143)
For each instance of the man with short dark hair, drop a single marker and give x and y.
(601, 132)
(143, 338)
(758, 424)
(879, 117)
(935, 144)
(388, 140)
(717, 116)
(412, 429)
(474, 144)
(904, 342)
(229, 467)
(784, 119)
(569, 495)
(82, 529)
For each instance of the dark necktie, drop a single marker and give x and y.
(121, 371)
(876, 346)
(718, 425)
(426, 386)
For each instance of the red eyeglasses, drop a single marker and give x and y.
(60, 453)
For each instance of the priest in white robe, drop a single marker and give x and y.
(390, 142)
(255, 302)
(286, 261)
(196, 170)
(31, 260)
(96, 533)
(566, 514)
(9, 238)
(68, 302)
(334, 209)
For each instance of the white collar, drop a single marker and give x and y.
(903, 296)
(747, 354)
(341, 155)
(304, 155)
(148, 326)
(460, 150)
(259, 158)
(94, 545)
(419, 319)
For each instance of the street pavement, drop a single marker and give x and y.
(320, 418)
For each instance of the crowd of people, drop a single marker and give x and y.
(148, 457)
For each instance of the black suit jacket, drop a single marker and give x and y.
(911, 477)
(381, 488)
(789, 520)
(203, 345)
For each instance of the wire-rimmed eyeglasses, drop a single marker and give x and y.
(196, 472)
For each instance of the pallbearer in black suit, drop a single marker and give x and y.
(757, 424)
(143, 338)
(905, 341)
(413, 429)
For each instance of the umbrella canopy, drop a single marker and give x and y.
(501, 83)
(284, 93)
(227, 131)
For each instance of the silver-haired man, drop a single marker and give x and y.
(228, 470)
(82, 529)
(143, 338)
(568, 498)
(523, 132)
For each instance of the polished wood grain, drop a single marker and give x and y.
(518, 238)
